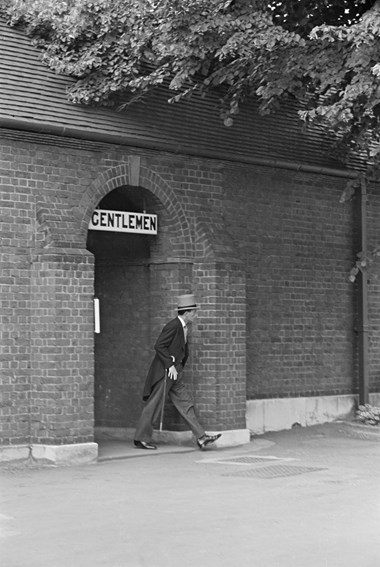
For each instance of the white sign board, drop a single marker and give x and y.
(121, 221)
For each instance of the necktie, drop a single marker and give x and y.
(185, 332)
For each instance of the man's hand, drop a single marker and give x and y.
(172, 373)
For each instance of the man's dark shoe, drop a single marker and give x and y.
(202, 442)
(143, 445)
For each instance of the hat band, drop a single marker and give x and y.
(187, 306)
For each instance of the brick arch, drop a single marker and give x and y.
(211, 242)
(119, 176)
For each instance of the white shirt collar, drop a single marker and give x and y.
(182, 321)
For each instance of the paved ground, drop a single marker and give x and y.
(302, 498)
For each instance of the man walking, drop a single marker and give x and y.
(165, 376)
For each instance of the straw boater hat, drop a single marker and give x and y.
(187, 302)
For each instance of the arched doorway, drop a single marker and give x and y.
(123, 287)
(141, 280)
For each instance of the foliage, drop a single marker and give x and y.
(116, 48)
(368, 414)
(304, 15)
(363, 263)
(346, 81)
(323, 53)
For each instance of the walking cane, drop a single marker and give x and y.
(163, 401)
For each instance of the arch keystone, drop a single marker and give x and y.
(134, 170)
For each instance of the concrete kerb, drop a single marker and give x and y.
(58, 455)
(182, 442)
(118, 445)
(63, 455)
(112, 449)
(359, 430)
(15, 453)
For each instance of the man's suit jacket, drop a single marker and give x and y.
(170, 343)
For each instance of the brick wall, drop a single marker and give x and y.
(267, 253)
(14, 345)
(373, 274)
(17, 234)
(61, 347)
(296, 241)
(220, 345)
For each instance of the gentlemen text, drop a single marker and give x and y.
(121, 221)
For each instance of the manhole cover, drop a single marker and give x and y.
(274, 471)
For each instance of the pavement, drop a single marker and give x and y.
(304, 497)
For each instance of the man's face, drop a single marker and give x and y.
(191, 315)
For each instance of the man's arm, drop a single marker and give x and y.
(162, 348)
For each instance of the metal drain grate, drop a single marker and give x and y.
(246, 460)
(274, 471)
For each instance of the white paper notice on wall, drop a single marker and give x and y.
(96, 315)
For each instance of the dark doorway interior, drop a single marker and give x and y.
(122, 284)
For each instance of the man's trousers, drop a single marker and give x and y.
(181, 400)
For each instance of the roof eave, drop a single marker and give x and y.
(118, 139)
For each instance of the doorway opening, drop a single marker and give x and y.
(122, 285)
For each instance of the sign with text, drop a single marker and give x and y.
(121, 221)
